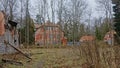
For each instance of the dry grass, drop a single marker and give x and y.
(50, 58)
(84, 56)
(98, 55)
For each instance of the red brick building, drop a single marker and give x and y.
(109, 37)
(87, 38)
(48, 33)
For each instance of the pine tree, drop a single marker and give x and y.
(117, 17)
(116, 10)
(98, 34)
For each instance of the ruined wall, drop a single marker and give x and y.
(5, 49)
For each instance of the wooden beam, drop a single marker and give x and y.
(12, 62)
(17, 50)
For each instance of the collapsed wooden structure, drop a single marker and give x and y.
(9, 38)
(8, 32)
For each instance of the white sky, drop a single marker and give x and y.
(92, 3)
(92, 6)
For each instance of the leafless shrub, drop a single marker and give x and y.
(98, 57)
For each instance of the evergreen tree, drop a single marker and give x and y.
(116, 10)
(31, 32)
(117, 18)
(98, 34)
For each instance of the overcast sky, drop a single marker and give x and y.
(92, 3)
(92, 6)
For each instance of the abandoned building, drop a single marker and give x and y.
(87, 38)
(109, 37)
(8, 33)
(49, 33)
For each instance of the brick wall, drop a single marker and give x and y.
(48, 34)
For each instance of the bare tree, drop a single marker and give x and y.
(106, 7)
(60, 12)
(78, 7)
(4, 4)
(12, 8)
(89, 21)
(27, 21)
(21, 21)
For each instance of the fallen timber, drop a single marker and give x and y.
(18, 50)
(12, 62)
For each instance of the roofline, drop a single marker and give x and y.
(50, 26)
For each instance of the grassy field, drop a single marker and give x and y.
(50, 58)
(69, 57)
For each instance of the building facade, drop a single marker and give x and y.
(48, 33)
(109, 37)
(87, 38)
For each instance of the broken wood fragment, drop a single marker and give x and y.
(12, 62)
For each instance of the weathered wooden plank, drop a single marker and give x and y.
(18, 50)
